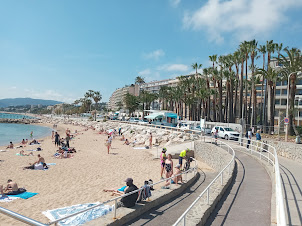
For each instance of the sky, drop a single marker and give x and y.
(58, 49)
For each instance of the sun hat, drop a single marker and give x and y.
(164, 149)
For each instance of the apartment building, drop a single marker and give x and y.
(116, 101)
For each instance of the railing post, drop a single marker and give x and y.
(115, 206)
(184, 220)
(268, 159)
(208, 196)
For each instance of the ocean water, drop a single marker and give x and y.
(17, 132)
(14, 116)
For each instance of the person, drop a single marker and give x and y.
(119, 131)
(177, 171)
(23, 142)
(34, 166)
(1, 191)
(52, 134)
(10, 146)
(126, 142)
(67, 140)
(22, 153)
(182, 155)
(31, 134)
(150, 140)
(57, 139)
(11, 187)
(216, 135)
(118, 192)
(123, 137)
(163, 158)
(258, 139)
(169, 167)
(134, 142)
(249, 135)
(40, 160)
(108, 142)
(130, 200)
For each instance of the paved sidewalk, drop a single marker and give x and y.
(248, 200)
(291, 175)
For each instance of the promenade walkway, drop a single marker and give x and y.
(248, 200)
(291, 175)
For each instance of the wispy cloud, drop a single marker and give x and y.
(156, 54)
(242, 18)
(174, 3)
(48, 95)
(173, 67)
(145, 72)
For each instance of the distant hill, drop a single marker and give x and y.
(26, 101)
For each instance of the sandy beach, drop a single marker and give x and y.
(78, 180)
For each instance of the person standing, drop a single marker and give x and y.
(163, 158)
(119, 131)
(57, 139)
(67, 140)
(183, 155)
(31, 134)
(108, 143)
(150, 140)
(249, 135)
(258, 139)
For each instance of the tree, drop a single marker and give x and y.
(253, 50)
(262, 49)
(89, 95)
(291, 65)
(139, 80)
(131, 102)
(97, 98)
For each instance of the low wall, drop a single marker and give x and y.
(217, 158)
(158, 197)
(287, 149)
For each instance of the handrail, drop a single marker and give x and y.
(122, 196)
(207, 189)
(20, 217)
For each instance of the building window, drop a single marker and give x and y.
(284, 91)
(284, 83)
(298, 91)
(278, 84)
(299, 81)
(278, 91)
(258, 87)
(283, 102)
(277, 102)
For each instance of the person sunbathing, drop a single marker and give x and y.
(36, 166)
(11, 187)
(33, 142)
(23, 142)
(22, 153)
(10, 146)
(118, 192)
(127, 142)
(41, 160)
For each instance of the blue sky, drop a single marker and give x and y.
(60, 49)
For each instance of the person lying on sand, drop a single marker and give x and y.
(10, 146)
(33, 142)
(22, 153)
(36, 166)
(126, 142)
(118, 192)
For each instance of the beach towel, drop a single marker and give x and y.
(139, 148)
(7, 198)
(51, 164)
(24, 195)
(79, 219)
(3, 150)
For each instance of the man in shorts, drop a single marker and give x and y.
(182, 155)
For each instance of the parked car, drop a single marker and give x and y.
(134, 119)
(140, 121)
(226, 133)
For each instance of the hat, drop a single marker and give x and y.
(129, 180)
(164, 149)
(177, 166)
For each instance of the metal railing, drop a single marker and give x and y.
(115, 200)
(20, 217)
(207, 189)
(258, 147)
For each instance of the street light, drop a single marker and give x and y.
(298, 74)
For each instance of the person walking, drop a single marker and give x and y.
(150, 141)
(67, 140)
(163, 158)
(258, 140)
(249, 135)
(57, 139)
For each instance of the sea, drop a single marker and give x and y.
(16, 132)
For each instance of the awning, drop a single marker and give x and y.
(171, 115)
(154, 115)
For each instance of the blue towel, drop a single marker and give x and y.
(24, 195)
(51, 164)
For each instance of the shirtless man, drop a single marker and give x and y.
(40, 160)
(10, 146)
(11, 186)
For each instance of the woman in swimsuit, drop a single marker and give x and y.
(169, 166)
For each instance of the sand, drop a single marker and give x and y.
(77, 180)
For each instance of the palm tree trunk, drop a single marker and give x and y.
(241, 90)
(214, 101)
(220, 101)
(246, 115)
(272, 116)
(292, 92)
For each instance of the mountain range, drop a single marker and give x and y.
(26, 101)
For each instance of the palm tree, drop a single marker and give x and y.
(131, 102)
(291, 65)
(221, 62)
(97, 98)
(272, 77)
(253, 50)
(89, 95)
(262, 49)
(237, 62)
(139, 80)
(213, 59)
(245, 48)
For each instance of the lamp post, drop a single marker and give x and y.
(286, 129)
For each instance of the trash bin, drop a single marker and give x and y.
(298, 139)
